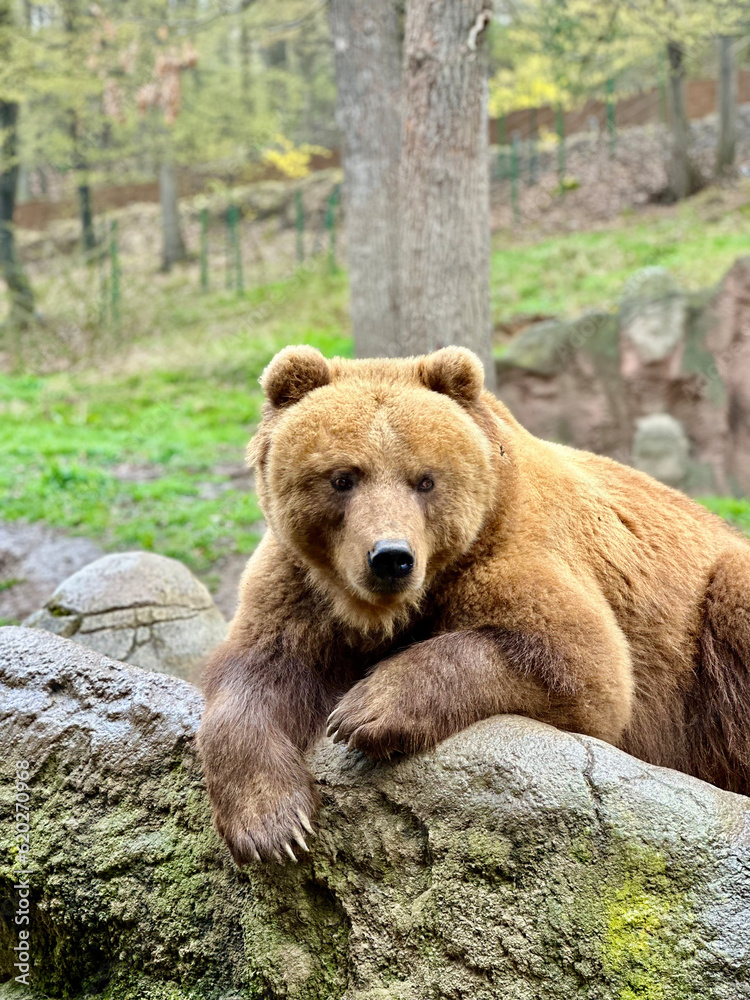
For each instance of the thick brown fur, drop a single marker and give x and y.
(546, 582)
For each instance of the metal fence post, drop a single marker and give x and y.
(204, 249)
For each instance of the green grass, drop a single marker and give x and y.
(564, 275)
(62, 436)
(735, 510)
(176, 388)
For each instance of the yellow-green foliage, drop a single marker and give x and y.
(563, 51)
(527, 84)
(292, 161)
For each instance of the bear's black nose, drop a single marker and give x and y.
(391, 559)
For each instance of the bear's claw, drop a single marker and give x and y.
(305, 821)
(301, 840)
(275, 836)
(370, 720)
(345, 727)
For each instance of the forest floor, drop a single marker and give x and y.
(132, 433)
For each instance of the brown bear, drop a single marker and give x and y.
(429, 563)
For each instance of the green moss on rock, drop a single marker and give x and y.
(515, 861)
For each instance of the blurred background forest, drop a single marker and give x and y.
(180, 190)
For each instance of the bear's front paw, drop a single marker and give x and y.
(269, 836)
(374, 719)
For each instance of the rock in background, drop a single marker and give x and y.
(515, 861)
(682, 358)
(139, 608)
(729, 343)
(661, 448)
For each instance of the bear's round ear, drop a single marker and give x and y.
(455, 371)
(293, 373)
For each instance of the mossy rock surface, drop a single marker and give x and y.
(515, 861)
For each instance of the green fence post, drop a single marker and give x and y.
(663, 76)
(115, 275)
(228, 255)
(101, 258)
(514, 178)
(560, 121)
(501, 170)
(611, 116)
(502, 156)
(204, 249)
(533, 159)
(299, 222)
(239, 280)
(330, 223)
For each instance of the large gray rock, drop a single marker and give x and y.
(653, 316)
(34, 559)
(588, 382)
(515, 861)
(140, 608)
(561, 380)
(729, 341)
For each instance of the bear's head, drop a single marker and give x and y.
(376, 475)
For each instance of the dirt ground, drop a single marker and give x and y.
(35, 559)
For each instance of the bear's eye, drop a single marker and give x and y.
(343, 482)
(426, 484)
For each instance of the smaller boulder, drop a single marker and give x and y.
(661, 448)
(139, 608)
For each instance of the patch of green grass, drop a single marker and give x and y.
(733, 509)
(193, 405)
(564, 275)
(176, 388)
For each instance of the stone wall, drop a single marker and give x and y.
(662, 384)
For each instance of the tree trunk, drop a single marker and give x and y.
(683, 176)
(72, 23)
(725, 147)
(245, 62)
(19, 289)
(368, 68)
(173, 246)
(88, 238)
(444, 181)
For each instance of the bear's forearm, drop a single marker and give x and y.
(261, 715)
(435, 688)
(261, 689)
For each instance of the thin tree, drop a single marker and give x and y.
(367, 52)
(173, 244)
(683, 177)
(19, 289)
(164, 92)
(727, 100)
(73, 46)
